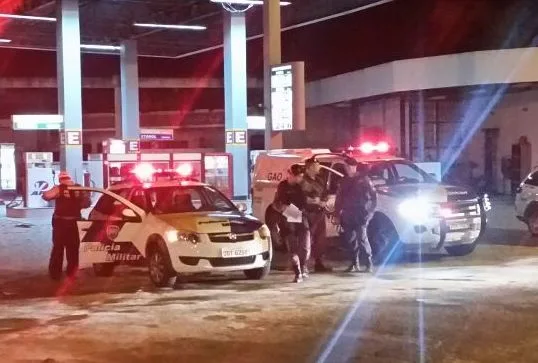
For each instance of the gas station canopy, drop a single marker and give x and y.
(162, 28)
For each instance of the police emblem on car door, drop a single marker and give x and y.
(106, 236)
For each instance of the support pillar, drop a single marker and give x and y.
(272, 55)
(70, 86)
(235, 94)
(130, 107)
(117, 107)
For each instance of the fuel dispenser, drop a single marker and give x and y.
(8, 170)
(119, 160)
(39, 176)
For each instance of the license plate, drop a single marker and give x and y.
(235, 252)
(455, 227)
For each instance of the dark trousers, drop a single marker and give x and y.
(297, 239)
(318, 233)
(64, 237)
(356, 239)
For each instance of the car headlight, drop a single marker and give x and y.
(417, 210)
(181, 236)
(264, 232)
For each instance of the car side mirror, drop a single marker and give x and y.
(241, 206)
(130, 215)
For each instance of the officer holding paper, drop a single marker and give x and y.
(290, 200)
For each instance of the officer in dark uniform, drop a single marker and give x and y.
(68, 205)
(295, 233)
(316, 200)
(355, 204)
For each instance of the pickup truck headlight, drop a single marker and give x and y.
(181, 236)
(264, 232)
(416, 210)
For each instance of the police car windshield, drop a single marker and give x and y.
(395, 172)
(171, 200)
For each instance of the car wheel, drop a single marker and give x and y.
(258, 273)
(160, 268)
(532, 223)
(461, 250)
(384, 240)
(103, 269)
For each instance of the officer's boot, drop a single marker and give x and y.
(305, 271)
(298, 274)
(354, 267)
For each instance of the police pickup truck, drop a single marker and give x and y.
(415, 212)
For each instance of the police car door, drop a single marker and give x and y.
(108, 232)
(334, 181)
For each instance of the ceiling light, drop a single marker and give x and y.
(5, 40)
(27, 17)
(99, 47)
(247, 2)
(171, 26)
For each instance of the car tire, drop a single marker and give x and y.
(104, 269)
(258, 273)
(384, 240)
(461, 250)
(532, 223)
(160, 268)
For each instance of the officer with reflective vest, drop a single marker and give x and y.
(65, 237)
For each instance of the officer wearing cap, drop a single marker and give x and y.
(355, 204)
(316, 199)
(294, 232)
(68, 205)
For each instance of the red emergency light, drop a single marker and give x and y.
(185, 170)
(368, 147)
(144, 172)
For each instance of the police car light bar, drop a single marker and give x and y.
(370, 147)
(144, 172)
(185, 170)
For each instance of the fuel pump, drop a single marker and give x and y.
(39, 175)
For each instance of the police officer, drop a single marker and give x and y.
(316, 200)
(68, 205)
(355, 204)
(294, 232)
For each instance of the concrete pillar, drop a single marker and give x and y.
(117, 108)
(271, 56)
(130, 108)
(70, 86)
(235, 94)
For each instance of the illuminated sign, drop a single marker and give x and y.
(71, 137)
(37, 122)
(236, 137)
(287, 97)
(156, 134)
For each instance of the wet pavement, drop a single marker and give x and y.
(479, 308)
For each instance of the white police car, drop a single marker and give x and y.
(414, 213)
(527, 202)
(172, 226)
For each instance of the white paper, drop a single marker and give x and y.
(293, 214)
